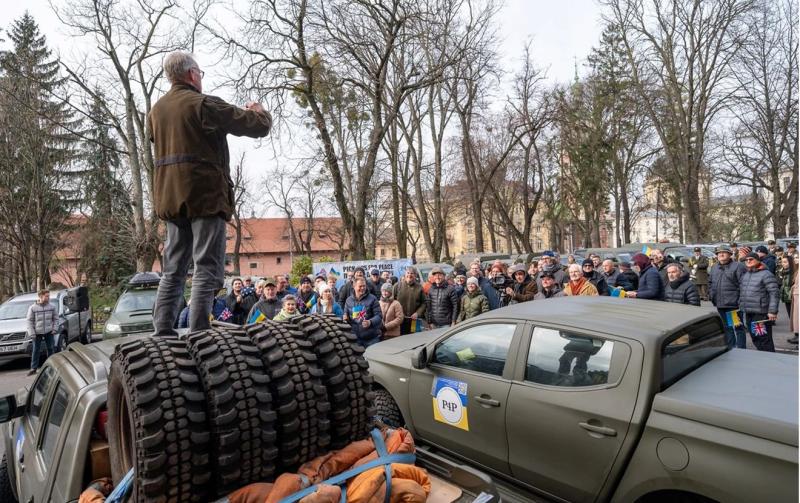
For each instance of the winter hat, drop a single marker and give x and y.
(305, 279)
(587, 261)
(374, 272)
(762, 249)
(472, 280)
(323, 287)
(548, 253)
(386, 286)
(517, 268)
(753, 255)
(641, 260)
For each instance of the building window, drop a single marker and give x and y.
(278, 260)
(253, 265)
(383, 252)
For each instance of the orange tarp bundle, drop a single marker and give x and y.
(410, 484)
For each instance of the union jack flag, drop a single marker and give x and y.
(225, 315)
(758, 328)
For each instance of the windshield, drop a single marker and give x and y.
(19, 309)
(690, 348)
(136, 300)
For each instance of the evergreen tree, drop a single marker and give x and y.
(107, 230)
(37, 151)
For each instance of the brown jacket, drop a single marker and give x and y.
(192, 173)
(392, 318)
(586, 289)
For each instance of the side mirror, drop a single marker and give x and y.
(9, 409)
(107, 310)
(419, 360)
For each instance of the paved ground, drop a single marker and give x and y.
(14, 375)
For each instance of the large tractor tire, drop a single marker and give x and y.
(346, 376)
(299, 397)
(239, 399)
(157, 422)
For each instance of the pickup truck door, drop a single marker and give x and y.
(459, 401)
(569, 410)
(31, 475)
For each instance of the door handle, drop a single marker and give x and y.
(601, 430)
(486, 400)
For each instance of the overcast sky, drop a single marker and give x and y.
(561, 34)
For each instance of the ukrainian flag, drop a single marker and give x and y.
(647, 250)
(311, 302)
(732, 319)
(257, 317)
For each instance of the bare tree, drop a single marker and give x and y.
(241, 199)
(762, 149)
(680, 52)
(131, 38)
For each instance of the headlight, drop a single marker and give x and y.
(113, 327)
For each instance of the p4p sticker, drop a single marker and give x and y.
(450, 402)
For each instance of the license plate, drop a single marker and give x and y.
(9, 349)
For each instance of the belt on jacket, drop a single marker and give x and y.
(177, 159)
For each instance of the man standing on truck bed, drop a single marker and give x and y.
(192, 187)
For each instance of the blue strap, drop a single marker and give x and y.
(120, 493)
(342, 478)
(380, 446)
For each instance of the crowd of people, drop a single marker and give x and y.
(747, 291)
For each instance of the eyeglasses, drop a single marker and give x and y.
(201, 72)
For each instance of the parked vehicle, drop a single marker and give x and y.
(74, 322)
(425, 268)
(593, 399)
(80, 418)
(133, 312)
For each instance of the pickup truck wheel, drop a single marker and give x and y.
(6, 491)
(386, 409)
(299, 397)
(157, 421)
(239, 407)
(62, 342)
(87, 334)
(346, 377)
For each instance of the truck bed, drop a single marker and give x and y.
(750, 392)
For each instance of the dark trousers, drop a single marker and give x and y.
(37, 348)
(761, 342)
(201, 240)
(735, 337)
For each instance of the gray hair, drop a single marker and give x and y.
(177, 64)
(677, 265)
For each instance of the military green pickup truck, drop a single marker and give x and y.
(599, 399)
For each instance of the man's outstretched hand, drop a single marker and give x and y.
(256, 107)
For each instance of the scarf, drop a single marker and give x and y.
(575, 287)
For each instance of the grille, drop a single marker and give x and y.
(16, 336)
(139, 327)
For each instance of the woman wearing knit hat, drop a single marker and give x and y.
(651, 286)
(392, 312)
(474, 302)
(327, 304)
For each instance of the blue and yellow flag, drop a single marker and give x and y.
(617, 292)
(732, 319)
(416, 326)
(257, 317)
(647, 250)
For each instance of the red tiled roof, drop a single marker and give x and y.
(271, 235)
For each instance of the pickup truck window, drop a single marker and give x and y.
(481, 348)
(39, 394)
(690, 348)
(558, 358)
(54, 419)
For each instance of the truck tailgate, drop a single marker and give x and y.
(751, 392)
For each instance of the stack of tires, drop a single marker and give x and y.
(222, 408)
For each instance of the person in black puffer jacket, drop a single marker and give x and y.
(759, 299)
(679, 289)
(594, 277)
(441, 301)
(723, 290)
